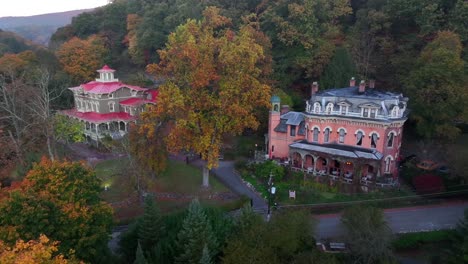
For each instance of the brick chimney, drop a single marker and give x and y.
(371, 84)
(352, 82)
(362, 86)
(314, 88)
(284, 109)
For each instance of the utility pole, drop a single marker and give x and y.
(271, 191)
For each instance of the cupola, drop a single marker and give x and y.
(106, 74)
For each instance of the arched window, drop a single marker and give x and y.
(317, 108)
(329, 108)
(326, 136)
(395, 111)
(359, 136)
(391, 138)
(342, 134)
(374, 137)
(316, 133)
(388, 162)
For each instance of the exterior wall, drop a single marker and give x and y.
(103, 101)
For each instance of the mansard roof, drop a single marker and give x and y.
(99, 117)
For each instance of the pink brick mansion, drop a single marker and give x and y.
(353, 133)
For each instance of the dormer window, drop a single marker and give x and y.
(329, 108)
(317, 108)
(395, 111)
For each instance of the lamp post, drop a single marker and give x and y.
(271, 191)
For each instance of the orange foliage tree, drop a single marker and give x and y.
(60, 200)
(80, 58)
(33, 252)
(215, 82)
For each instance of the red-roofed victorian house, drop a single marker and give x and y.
(352, 133)
(106, 106)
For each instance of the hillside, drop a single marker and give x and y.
(13, 43)
(38, 28)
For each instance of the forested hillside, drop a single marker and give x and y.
(395, 42)
(38, 28)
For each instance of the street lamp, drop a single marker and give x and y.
(271, 192)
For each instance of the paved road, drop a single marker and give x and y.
(402, 220)
(225, 173)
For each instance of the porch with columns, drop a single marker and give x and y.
(98, 130)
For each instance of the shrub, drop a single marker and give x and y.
(428, 183)
(264, 170)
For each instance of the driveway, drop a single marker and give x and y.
(226, 174)
(402, 220)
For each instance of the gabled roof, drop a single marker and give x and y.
(293, 118)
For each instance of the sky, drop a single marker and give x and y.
(37, 7)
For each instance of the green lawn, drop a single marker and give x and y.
(179, 178)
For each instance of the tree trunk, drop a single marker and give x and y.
(206, 177)
(49, 148)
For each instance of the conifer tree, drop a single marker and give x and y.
(195, 233)
(205, 259)
(140, 257)
(150, 228)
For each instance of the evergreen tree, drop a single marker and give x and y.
(458, 251)
(205, 259)
(140, 257)
(150, 228)
(195, 233)
(338, 72)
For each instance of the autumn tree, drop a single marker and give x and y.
(439, 88)
(34, 251)
(80, 58)
(60, 200)
(214, 84)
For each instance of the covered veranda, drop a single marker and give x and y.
(345, 163)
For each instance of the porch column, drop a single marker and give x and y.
(341, 174)
(315, 162)
(302, 161)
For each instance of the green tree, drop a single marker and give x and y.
(338, 72)
(438, 88)
(150, 228)
(196, 233)
(206, 257)
(269, 167)
(140, 257)
(304, 34)
(458, 250)
(67, 129)
(60, 200)
(367, 234)
(215, 83)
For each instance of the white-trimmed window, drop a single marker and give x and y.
(92, 106)
(292, 130)
(388, 163)
(316, 133)
(111, 106)
(341, 135)
(374, 138)
(97, 106)
(343, 109)
(395, 111)
(359, 138)
(111, 95)
(390, 139)
(329, 108)
(134, 93)
(317, 108)
(326, 135)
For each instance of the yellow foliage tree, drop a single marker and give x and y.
(81, 58)
(215, 83)
(32, 252)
